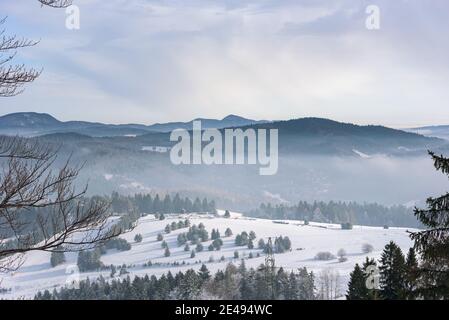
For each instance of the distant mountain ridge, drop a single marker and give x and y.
(37, 124)
(432, 131)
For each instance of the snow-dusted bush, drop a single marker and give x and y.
(324, 256)
(367, 248)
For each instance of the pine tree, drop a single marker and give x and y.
(204, 273)
(392, 273)
(228, 232)
(227, 214)
(167, 252)
(432, 244)
(411, 277)
(357, 289)
(138, 238)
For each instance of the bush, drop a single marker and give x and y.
(324, 256)
(228, 232)
(252, 235)
(118, 243)
(227, 214)
(210, 248)
(187, 248)
(386, 227)
(367, 248)
(217, 243)
(199, 247)
(160, 237)
(89, 260)
(341, 253)
(261, 244)
(236, 254)
(167, 229)
(138, 238)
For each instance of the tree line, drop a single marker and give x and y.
(233, 283)
(369, 214)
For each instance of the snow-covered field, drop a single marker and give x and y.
(37, 273)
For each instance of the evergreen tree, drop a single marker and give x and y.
(411, 277)
(160, 237)
(432, 244)
(192, 254)
(228, 232)
(138, 238)
(392, 273)
(204, 273)
(227, 214)
(57, 258)
(167, 252)
(357, 288)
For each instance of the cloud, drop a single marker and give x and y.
(149, 61)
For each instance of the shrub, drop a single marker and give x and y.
(261, 244)
(138, 238)
(367, 248)
(341, 253)
(89, 260)
(160, 237)
(324, 256)
(118, 243)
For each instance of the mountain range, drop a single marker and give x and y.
(318, 159)
(38, 124)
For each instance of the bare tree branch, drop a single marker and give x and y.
(65, 221)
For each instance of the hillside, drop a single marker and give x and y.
(37, 274)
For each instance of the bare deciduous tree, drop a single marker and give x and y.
(40, 209)
(14, 76)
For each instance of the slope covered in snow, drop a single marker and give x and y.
(307, 240)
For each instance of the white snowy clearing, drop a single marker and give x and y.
(307, 240)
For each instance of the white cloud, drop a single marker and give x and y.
(176, 60)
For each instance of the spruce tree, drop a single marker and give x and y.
(392, 273)
(411, 277)
(357, 289)
(432, 244)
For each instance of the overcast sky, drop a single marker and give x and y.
(151, 61)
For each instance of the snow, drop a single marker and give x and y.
(361, 154)
(37, 274)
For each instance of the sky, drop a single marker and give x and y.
(145, 61)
